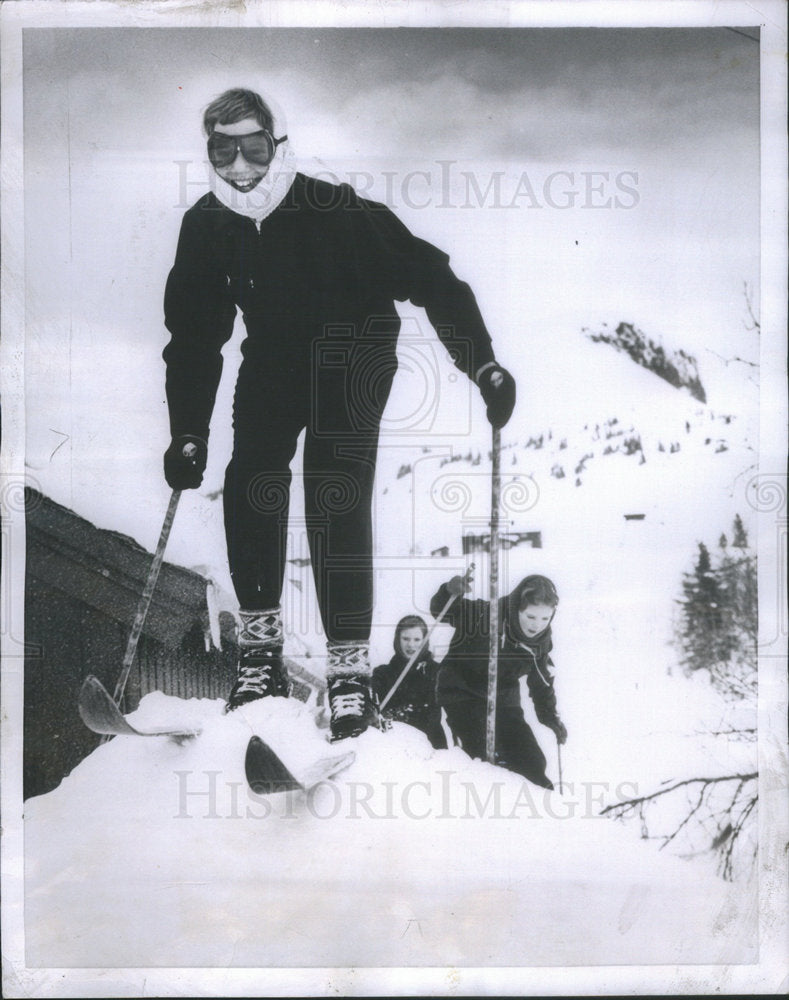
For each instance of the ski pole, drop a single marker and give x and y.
(493, 662)
(145, 600)
(415, 655)
(559, 755)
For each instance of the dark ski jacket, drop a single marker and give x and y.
(464, 670)
(316, 286)
(415, 701)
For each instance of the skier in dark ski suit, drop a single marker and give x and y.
(414, 702)
(525, 644)
(315, 270)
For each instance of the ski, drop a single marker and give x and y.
(101, 715)
(267, 774)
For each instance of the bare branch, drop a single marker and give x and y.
(728, 361)
(727, 854)
(740, 731)
(629, 804)
(699, 803)
(721, 823)
(755, 324)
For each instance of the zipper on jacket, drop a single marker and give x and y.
(530, 651)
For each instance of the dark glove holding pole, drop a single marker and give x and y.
(460, 585)
(560, 731)
(185, 461)
(498, 390)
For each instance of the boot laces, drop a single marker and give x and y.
(255, 675)
(350, 703)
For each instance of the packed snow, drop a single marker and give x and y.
(155, 854)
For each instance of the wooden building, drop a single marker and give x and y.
(82, 589)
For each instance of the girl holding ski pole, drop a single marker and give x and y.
(525, 617)
(414, 700)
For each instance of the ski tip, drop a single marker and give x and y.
(101, 715)
(97, 709)
(327, 768)
(266, 774)
(92, 683)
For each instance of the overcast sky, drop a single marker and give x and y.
(525, 93)
(109, 112)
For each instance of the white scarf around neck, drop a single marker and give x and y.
(271, 190)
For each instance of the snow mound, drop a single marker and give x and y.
(157, 854)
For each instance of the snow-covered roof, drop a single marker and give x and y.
(107, 571)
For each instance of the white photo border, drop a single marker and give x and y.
(769, 975)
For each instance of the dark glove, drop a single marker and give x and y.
(560, 730)
(459, 585)
(498, 390)
(184, 462)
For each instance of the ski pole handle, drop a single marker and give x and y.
(415, 656)
(145, 600)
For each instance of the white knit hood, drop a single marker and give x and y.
(271, 190)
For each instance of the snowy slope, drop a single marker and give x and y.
(132, 880)
(411, 858)
(432, 482)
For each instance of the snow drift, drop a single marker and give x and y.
(155, 854)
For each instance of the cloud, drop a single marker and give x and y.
(536, 93)
(644, 99)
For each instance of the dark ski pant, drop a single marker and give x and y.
(428, 722)
(516, 745)
(340, 448)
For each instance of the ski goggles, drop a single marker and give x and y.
(257, 148)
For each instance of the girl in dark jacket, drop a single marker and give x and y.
(525, 618)
(316, 270)
(415, 701)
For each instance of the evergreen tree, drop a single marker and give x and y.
(717, 627)
(699, 610)
(740, 540)
(736, 672)
(716, 631)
